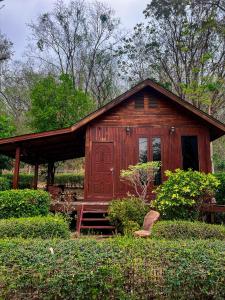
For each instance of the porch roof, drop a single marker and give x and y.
(43, 147)
(68, 143)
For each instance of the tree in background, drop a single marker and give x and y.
(182, 47)
(7, 129)
(79, 39)
(56, 103)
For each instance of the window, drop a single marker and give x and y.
(155, 152)
(156, 156)
(143, 150)
(152, 102)
(190, 152)
(139, 101)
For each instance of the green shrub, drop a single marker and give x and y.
(119, 268)
(70, 180)
(4, 184)
(127, 214)
(35, 227)
(181, 196)
(23, 203)
(187, 230)
(220, 192)
(25, 180)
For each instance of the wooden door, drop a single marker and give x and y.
(102, 170)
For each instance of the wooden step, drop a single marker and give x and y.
(97, 227)
(94, 219)
(95, 211)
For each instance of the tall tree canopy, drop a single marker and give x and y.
(56, 103)
(7, 129)
(183, 45)
(79, 38)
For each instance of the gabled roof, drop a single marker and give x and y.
(217, 129)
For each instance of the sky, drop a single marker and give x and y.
(17, 13)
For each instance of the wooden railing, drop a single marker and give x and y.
(213, 208)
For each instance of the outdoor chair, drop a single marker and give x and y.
(149, 220)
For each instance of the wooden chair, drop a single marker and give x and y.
(149, 220)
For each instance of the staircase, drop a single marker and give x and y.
(94, 221)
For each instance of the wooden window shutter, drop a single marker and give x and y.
(139, 101)
(152, 102)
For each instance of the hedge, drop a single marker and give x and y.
(119, 268)
(23, 203)
(4, 184)
(35, 227)
(220, 193)
(187, 230)
(127, 214)
(25, 180)
(70, 180)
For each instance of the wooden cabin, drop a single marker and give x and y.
(146, 123)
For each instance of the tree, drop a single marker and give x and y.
(5, 48)
(76, 39)
(140, 177)
(184, 48)
(17, 81)
(57, 104)
(6, 130)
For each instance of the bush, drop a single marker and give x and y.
(220, 192)
(119, 268)
(25, 180)
(70, 180)
(23, 203)
(181, 196)
(187, 230)
(35, 227)
(127, 214)
(4, 184)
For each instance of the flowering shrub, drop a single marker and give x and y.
(181, 196)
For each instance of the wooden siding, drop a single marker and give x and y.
(148, 122)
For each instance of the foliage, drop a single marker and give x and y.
(5, 48)
(70, 180)
(23, 203)
(127, 214)
(25, 180)
(140, 177)
(218, 154)
(4, 184)
(57, 104)
(79, 38)
(6, 130)
(181, 46)
(173, 230)
(35, 227)
(183, 193)
(119, 268)
(220, 192)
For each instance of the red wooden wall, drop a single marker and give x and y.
(112, 142)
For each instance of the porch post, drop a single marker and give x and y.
(16, 169)
(50, 174)
(35, 180)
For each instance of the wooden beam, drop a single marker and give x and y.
(35, 180)
(16, 169)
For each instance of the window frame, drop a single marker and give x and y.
(150, 150)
